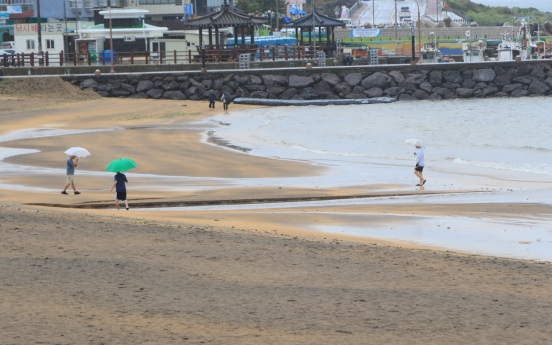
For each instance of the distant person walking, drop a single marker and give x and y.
(226, 99)
(119, 183)
(420, 163)
(72, 163)
(212, 98)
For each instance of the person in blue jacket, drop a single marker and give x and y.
(212, 98)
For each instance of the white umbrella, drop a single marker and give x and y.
(77, 151)
(415, 142)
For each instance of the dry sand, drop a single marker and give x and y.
(99, 276)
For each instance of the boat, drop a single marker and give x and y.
(430, 51)
(522, 47)
(474, 51)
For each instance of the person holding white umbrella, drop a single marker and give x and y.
(72, 162)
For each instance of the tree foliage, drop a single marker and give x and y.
(261, 6)
(492, 15)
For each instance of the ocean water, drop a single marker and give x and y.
(495, 138)
(501, 147)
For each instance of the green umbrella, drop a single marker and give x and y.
(121, 164)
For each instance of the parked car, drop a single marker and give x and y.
(7, 45)
(10, 57)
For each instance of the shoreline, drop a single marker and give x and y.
(248, 273)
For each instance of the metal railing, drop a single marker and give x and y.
(272, 53)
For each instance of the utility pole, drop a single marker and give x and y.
(39, 27)
(313, 32)
(111, 41)
(65, 43)
(396, 24)
(373, 14)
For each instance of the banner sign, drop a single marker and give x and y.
(15, 9)
(366, 33)
(46, 28)
(189, 9)
(4, 15)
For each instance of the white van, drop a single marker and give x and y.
(348, 23)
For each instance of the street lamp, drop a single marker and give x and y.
(269, 12)
(277, 17)
(203, 69)
(110, 41)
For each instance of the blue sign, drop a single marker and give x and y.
(190, 9)
(4, 15)
(524, 17)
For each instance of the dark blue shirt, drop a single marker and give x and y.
(70, 167)
(121, 179)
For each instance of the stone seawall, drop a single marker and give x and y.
(406, 83)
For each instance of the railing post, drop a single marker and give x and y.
(189, 56)
(103, 57)
(18, 60)
(88, 58)
(274, 53)
(286, 53)
(116, 58)
(32, 59)
(147, 57)
(160, 57)
(311, 48)
(75, 58)
(132, 58)
(261, 54)
(47, 59)
(175, 56)
(61, 58)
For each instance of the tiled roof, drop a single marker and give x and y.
(320, 20)
(224, 18)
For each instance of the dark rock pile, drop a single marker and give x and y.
(414, 84)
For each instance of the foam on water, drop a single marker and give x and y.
(492, 136)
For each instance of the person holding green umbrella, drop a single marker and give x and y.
(120, 180)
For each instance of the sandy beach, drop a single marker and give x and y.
(75, 270)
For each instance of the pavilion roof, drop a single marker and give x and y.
(320, 20)
(224, 18)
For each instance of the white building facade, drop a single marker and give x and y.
(26, 38)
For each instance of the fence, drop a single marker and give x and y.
(272, 53)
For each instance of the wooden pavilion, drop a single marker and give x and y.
(226, 17)
(316, 20)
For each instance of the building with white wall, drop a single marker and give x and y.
(26, 38)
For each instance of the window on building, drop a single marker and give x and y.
(49, 44)
(30, 44)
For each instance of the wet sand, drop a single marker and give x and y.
(236, 276)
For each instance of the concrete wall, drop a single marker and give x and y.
(433, 82)
(491, 32)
